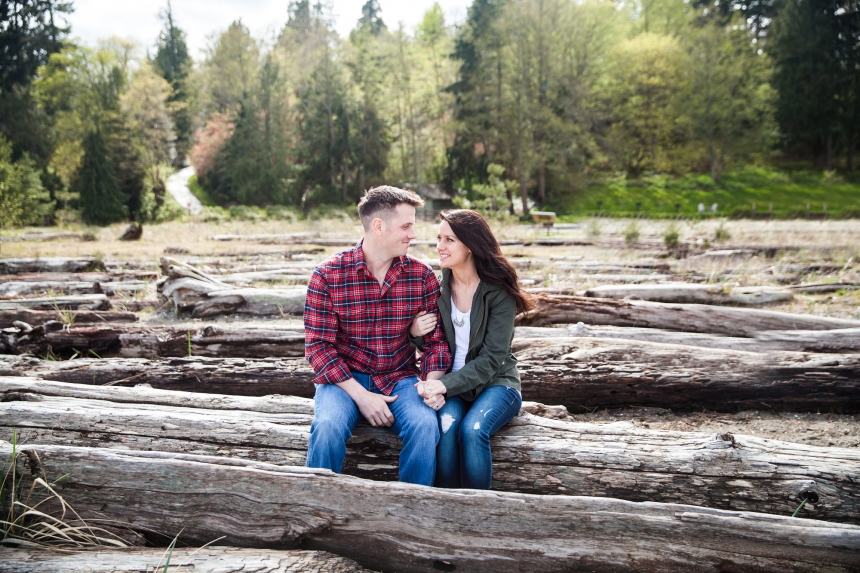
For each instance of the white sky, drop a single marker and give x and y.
(138, 19)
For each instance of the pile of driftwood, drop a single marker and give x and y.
(202, 427)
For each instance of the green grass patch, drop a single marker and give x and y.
(197, 191)
(742, 193)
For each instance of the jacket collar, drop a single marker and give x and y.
(445, 289)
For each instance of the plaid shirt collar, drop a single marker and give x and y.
(361, 265)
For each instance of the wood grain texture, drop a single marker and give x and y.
(681, 317)
(73, 302)
(13, 266)
(531, 455)
(410, 528)
(692, 293)
(209, 559)
(37, 317)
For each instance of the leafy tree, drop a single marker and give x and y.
(23, 200)
(230, 68)
(96, 183)
(146, 104)
(29, 34)
(174, 64)
(370, 20)
(494, 195)
(128, 166)
(646, 77)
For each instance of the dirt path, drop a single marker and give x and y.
(177, 185)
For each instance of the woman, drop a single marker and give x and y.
(479, 299)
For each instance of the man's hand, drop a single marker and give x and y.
(374, 408)
(422, 324)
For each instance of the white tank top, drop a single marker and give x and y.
(462, 325)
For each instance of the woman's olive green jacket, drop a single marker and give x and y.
(489, 361)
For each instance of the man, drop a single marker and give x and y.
(360, 304)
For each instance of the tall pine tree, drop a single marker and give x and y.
(96, 182)
(174, 64)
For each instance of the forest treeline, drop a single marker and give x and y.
(526, 102)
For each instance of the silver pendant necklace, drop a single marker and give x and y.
(462, 320)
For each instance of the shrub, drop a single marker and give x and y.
(671, 236)
(631, 233)
(721, 234)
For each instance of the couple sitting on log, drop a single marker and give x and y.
(368, 309)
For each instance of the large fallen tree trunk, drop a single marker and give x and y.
(693, 293)
(682, 317)
(51, 265)
(580, 373)
(410, 528)
(140, 340)
(76, 302)
(588, 373)
(24, 288)
(531, 455)
(209, 559)
(204, 296)
(59, 277)
(37, 317)
(840, 340)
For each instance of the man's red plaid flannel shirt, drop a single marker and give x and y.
(353, 323)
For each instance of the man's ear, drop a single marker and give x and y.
(377, 226)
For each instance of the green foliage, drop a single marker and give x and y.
(631, 233)
(199, 192)
(102, 202)
(721, 233)
(230, 69)
(173, 63)
(672, 236)
(788, 192)
(493, 195)
(23, 200)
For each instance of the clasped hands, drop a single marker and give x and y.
(433, 392)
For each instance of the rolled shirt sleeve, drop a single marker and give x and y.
(437, 353)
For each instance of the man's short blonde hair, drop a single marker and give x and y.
(382, 201)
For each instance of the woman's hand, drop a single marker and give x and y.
(433, 393)
(422, 324)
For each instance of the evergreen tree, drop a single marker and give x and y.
(96, 183)
(29, 34)
(370, 19)
(174, 64)
(127, 163)
(809, 68)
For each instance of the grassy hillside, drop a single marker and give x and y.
(787, 194)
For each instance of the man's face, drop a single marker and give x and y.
(399, 231)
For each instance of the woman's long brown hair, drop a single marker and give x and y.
(492, 266)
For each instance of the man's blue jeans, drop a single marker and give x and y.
(335, 416)
(463, 457)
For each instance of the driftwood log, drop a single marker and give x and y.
(141, 340)
(531, 455)
(204, 295)
(37, 317)
(410, 528)
(210, 559)
(693, 293)
(75, 302)
(579, 372)
(58, 277)
(840, 340)
(702, 318)
(50, 265)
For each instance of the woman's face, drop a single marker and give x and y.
(452, 253)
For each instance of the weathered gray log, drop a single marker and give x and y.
(139, 340)
(588, 373)
(59, 277)
(211, 559)
(580, 373)
(76, 302)
(24, 288)
(840, 340)
(531, 455)
(821, 288)
(703, 318)
(234, 376)
(16, 266)
(77, 235)
(410, 528)
(663, 336)
(692, 293)
(37, 317)
(205, 296)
